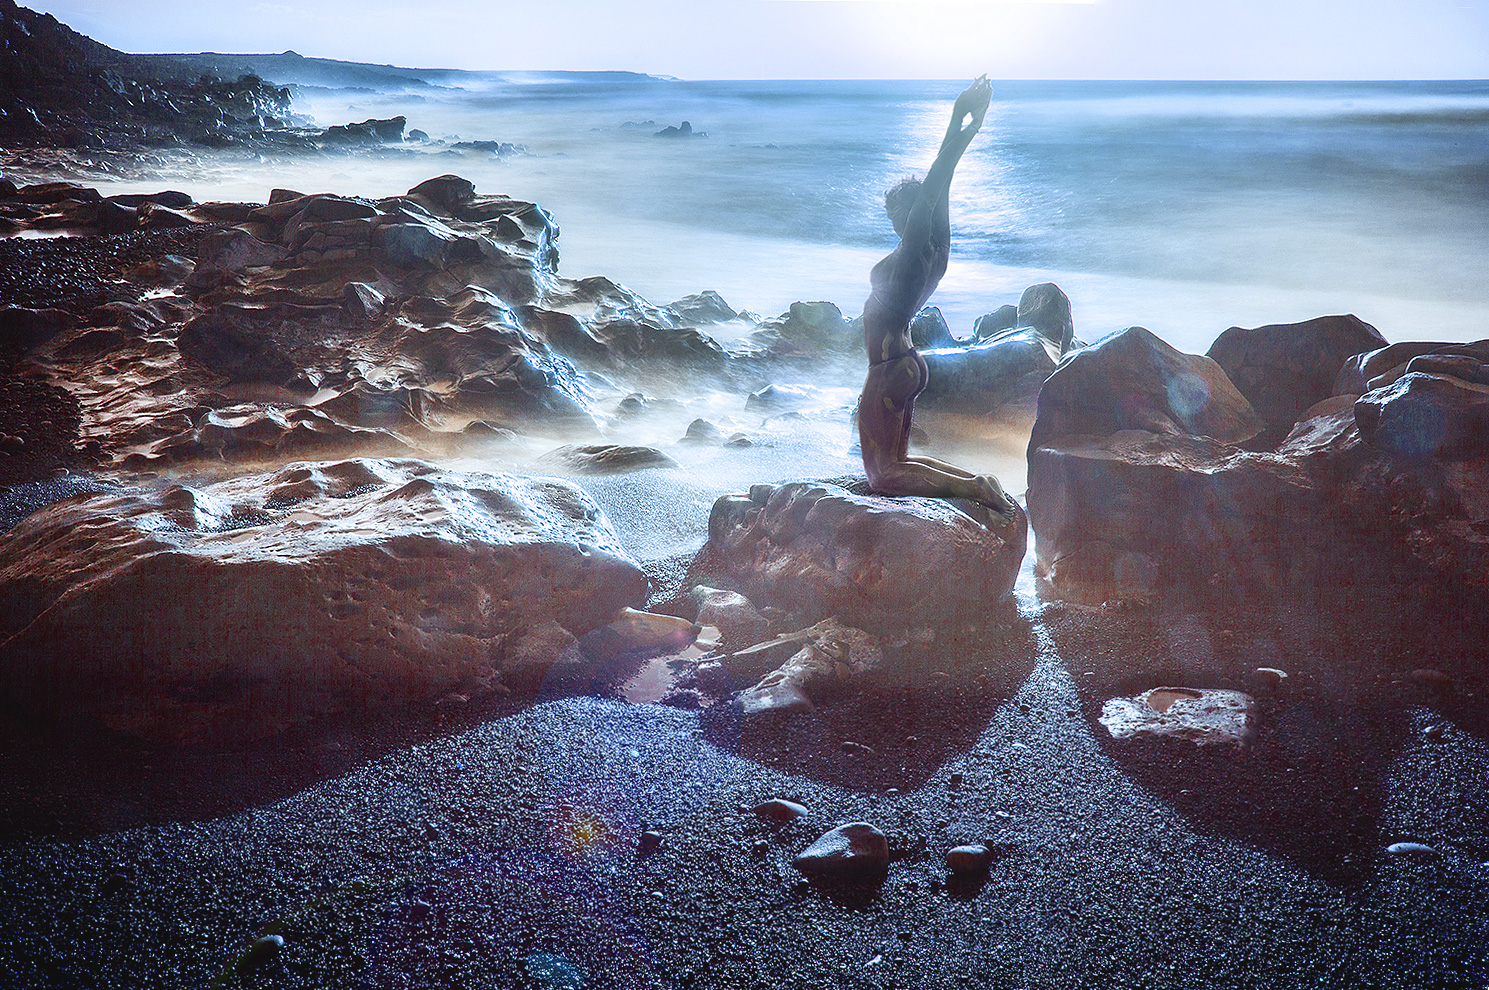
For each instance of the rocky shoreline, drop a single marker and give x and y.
(386, 608)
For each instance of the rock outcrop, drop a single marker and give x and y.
(872, 562)
(232, 609)
(1144, 472)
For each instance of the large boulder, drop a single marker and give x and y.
(235, 608)
(1134, 381)
(1386, 484)
(873, 562)
(1282, 369)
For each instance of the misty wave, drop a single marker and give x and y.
(1185, 207)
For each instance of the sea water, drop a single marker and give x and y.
(1185, 207)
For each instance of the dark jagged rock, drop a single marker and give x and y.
(986, 326)
(627, 341)
(1125, 503)
(235, 249)
(870, 561)
(1283, 369)
(683, 130)
(1007, 369)
(832, 657)
(236, 608)
(1379, 368)
(808, 330)
(61, 89)
(701, 432)
(928, 329)
(389, 131)
(445, 191)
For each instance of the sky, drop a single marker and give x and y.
(847, 39)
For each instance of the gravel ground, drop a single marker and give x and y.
(501, 848)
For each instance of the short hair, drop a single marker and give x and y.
(899, 200)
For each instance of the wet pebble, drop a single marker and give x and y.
(779, 811)
(854, 851)
(1431, 678)
(969, 860)
(263, 950)
(649, 843)
(1412, 850)
(1433, 732)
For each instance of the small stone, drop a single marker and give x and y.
(760, 847)
(263, 950)
(779, 811)
(12, 444)
(1002, 814)
(859, 749)
(1433, 732)
(954, 781)
(1431, 678)
(892, 792)
(1413, 850)
(969, 860)
(854, 851)
(649, 842)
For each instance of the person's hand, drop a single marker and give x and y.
(973, 102)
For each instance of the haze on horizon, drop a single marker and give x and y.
(833, 39)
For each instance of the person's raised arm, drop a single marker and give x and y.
(929, 216)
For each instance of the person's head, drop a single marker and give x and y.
(899, 200)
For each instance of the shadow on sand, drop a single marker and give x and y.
(1310, 787)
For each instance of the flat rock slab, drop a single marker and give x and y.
(1205, 716)
(877, 563)
(230, 610)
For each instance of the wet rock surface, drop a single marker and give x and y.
(387, 581)
(477, 837)
(820, 550)
(855, 851)
(1284, 369)
(1144, 474)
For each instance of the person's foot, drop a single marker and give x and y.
(991, 494)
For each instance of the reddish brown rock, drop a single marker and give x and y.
(873, 562)
(233, 609)
(1283, 369)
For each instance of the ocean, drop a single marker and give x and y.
(1185, 207)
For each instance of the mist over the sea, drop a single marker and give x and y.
(1185, 207)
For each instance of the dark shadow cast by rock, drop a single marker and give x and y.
(1334, 673)
(927, 705)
